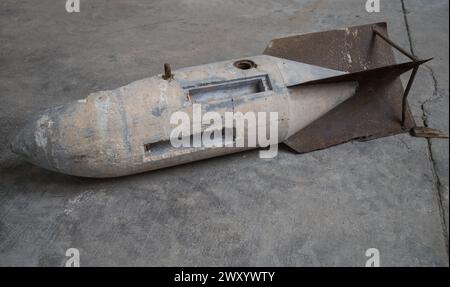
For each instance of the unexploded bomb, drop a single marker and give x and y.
(129, 130)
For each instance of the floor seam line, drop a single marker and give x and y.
(436, 179)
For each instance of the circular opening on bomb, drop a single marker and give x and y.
(244, 64)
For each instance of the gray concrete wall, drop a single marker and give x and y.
(324, 208)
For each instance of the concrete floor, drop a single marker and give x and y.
(324, 208)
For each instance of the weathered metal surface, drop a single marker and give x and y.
(376, 109)
(326, 88)
(127, 130)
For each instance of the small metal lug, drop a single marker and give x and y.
(167, 72)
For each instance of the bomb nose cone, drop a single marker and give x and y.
(22, 142)
(33, 141)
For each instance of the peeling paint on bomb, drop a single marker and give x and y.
(40, 136)
(106, 134)
(131, 134)
(349, 58)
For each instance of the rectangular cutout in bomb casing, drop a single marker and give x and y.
(229, 89)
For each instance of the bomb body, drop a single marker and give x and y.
(128, 130)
